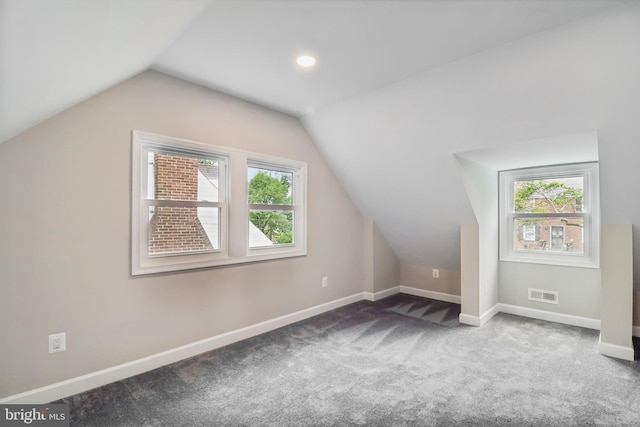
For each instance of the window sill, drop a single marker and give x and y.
(562, 261)
(211, 263)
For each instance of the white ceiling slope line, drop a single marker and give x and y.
(556, 150)
(57, 53)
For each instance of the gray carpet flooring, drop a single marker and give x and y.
(401, 361)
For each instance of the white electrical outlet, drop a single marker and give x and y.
(325, 282)
(57, 342)
(436, 273)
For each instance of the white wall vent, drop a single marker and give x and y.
(550, 297)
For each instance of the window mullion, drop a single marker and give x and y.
(183, 203)
(549, 215)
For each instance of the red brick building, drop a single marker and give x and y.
(176, 228)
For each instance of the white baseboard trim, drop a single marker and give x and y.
(614, 350)
(430, 294)
(99, 378)
(369, 296)
(635, 331)
(488, 315)
(567, 319)
(468, 319)
(471, 320)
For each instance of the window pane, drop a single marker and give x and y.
(176, 177)
(529, 233)
(269, 187)
(267, 228)
(557, 195)
(549, 234)
(183, 230)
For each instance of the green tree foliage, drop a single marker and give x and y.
(269, 190)
(541, 197)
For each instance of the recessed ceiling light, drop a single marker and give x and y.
(306, 61)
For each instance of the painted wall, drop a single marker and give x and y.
(381, 266)
(617, 286)
(578, 288)
(481, 184)
(65, 230)
(385, 263)
(470, 273)
(367, 244)
(421, 277)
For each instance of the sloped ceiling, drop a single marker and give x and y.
(383, 139)
(248, 47)
(56, 53)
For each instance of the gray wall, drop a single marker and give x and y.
(617, 286)
(421, 277)
(386, 268)
(578, 288)
(64, 235)
(482, 190)
(381, 266)
(470, 274)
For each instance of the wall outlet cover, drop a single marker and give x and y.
(57, 342)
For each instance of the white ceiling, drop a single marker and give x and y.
(248, 48)
(56, 53)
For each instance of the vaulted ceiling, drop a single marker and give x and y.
(56, 53)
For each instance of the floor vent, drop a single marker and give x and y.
(550, 297)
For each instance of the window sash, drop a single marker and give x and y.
(144, 226)
(157, 148)
(275, 246)
(219, 246)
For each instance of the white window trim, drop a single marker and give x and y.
(590, 214)
(299, 205)
(234, 220)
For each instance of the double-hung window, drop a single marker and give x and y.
(275, 207)
(550, 215)
(186, 215)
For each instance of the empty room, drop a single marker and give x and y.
(319, 213)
